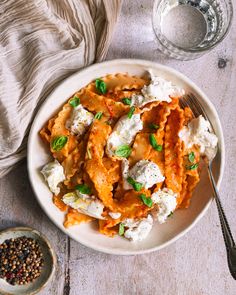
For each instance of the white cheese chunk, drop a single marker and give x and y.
(54, 174)
(159, 89)
(138, 100)
(85, 204)
(115, 215)
(198, 132)
(124, 133)
(138, 230)
(79, 121)
(147, 173)
(130, 223)
(166, 201)
(125, 174)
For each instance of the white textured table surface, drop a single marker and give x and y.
(196, 264)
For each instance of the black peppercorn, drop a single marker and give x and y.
(20, 260)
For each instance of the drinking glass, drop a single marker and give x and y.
(186, 29)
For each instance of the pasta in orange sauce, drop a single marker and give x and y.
(94, 175)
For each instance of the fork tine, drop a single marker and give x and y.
(193, 106)
(190, 100)
(197, 105)
(183, 102)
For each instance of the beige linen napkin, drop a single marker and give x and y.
(41, 43)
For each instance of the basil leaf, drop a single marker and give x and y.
(59, 142)
(171, 214)
(146, 201)
(136, 185)
(126, 100)
(154, 126)
(192, 167)
(98, 116)
(121, 229)
(74, 102)
(130, 180)
(89, 154)
(131, 112)
(123, 151)
(101, 86)
(154, 144)
(83, 188)
(191, 157)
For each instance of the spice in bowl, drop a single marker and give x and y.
(21, 260)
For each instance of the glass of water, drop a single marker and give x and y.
(186, 29)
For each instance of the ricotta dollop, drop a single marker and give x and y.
(123, 133)
(199, 132)
(53, 173)
(159, 89)
(115, 215)
(145, 172)
(139, 229)
(80, 120)
(166, 200)
(125, 174)
(88, 205)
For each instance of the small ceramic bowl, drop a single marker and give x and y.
(48, 269)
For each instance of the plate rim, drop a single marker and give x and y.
(143, 63)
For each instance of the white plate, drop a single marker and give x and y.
(87, 234)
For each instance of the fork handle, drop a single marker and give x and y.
(228, 238)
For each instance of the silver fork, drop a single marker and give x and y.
(192, 102)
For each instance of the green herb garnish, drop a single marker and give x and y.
(123, 151)
(191, 157)
(131, 112)
(89, 154)
(192, 167)
(126, 100)
(83, 188)
(101, 86)
(59, 142)
(154, 144)
(98, 116)
(74, 102)
(121, 229)
(171, 214)
(146, 201)
(154, 126)
(136, 185)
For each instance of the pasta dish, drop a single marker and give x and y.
(125, 154)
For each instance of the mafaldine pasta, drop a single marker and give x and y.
(118, 156)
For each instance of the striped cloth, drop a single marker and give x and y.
(41, 43)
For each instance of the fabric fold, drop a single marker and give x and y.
(43, 42)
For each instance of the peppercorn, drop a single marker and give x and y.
(20, 260)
